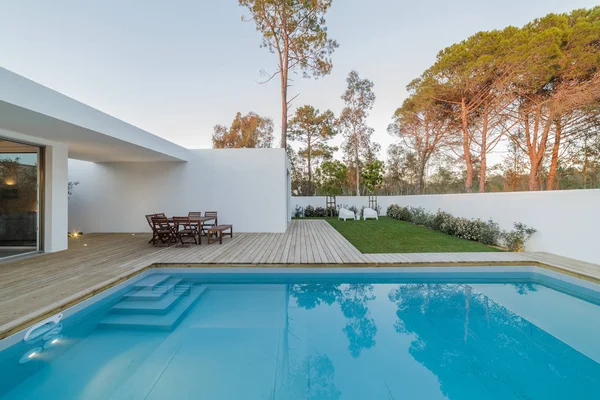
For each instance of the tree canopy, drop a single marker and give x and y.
(248, 131)
(503, 110)
(313, 129)
(295, 31)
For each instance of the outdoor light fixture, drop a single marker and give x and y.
(30, 355)
(53, 342)
(10, 182)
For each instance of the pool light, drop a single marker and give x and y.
(30, 355)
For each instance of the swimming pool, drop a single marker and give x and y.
(374, 333)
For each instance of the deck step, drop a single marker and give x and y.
(154, 292)
(151, 280)
(162, 305)
(166, 322)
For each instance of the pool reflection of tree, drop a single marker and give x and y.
(524, 288)
(352, 298)
(479, 349)
(313, 379)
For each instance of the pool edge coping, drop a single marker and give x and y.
(27, 320)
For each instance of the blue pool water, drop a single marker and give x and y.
(192, 335)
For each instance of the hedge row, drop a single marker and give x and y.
(486, 232)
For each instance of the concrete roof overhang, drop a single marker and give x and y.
(34, 110)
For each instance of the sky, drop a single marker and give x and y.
(176, 68)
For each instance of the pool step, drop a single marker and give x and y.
(151, 281)
(162, 305)
(154, 292)
(166, 322)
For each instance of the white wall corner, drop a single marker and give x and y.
(56, 212)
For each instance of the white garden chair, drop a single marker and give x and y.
(346, 214)
(370, 213)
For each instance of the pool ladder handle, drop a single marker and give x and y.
(55, 319)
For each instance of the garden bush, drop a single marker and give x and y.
(298, 212)
(515, 240)
(419, 215)
(491, 233)
(405, 214)
(309, 212)
(393, 211)
(486, 232)
(438, 220)
(332, 211)
(320, 212)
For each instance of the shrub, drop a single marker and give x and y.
(486, 232)
(298, 212)
(438, 220)
(450, 225)
(470, 229)
(393, 211)
(491, 233)
(309, 212)
(397, 212)
(515, 240)
(419, 215)
(332, 211)
(320, 212)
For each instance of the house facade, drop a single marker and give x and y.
(48, 139)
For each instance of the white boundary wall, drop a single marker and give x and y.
(248, 188)
(567, 221)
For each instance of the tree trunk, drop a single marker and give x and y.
(537, 144)
(421, 178)
(584, 170)
(308, 148)
(483, 156)
(466, 147)
(284, 107)
(284, 64)
(533, 172)
(551, 184)
(356, 163)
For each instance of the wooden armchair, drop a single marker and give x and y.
(184, 228)
(163, 232)
(151, 224)
(210, 224)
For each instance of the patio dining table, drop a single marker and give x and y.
(197, 221)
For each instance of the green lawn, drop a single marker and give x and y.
(392, 236)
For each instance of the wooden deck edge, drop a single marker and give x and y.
(525, 263)
(70, 301)
(27, 320)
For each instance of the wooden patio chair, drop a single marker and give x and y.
(149, 219)
(195, 215)
(184, 228)
(164, 231)
(210, 224)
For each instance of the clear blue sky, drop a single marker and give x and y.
(178, 67)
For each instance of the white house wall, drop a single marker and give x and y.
(247, 187)
(567, 221)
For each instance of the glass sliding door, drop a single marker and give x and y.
(19, 198)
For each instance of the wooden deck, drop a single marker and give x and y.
(33, 287)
